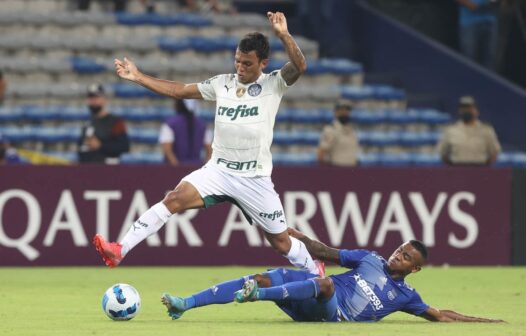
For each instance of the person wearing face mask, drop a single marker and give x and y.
(338, 142)
(105, 138)
(469, 141)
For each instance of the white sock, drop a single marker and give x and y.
(300, 257)
(149, 223)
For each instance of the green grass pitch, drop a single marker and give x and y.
(67, 301)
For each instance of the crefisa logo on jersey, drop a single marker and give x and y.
(254, 90)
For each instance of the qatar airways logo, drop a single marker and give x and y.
(375, 301)
(369, 220)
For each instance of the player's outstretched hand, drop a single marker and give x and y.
(278, 22)
(126, 69)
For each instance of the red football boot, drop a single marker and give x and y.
(110, 252)
(320, 265)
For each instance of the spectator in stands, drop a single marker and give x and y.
(105, 138)
(8, 154)
(469, 141)
(478, 31)
(338, 143)
(3, 88)
(184, 135)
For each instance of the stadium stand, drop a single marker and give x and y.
(50, 53)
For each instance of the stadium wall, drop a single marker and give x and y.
(48, 214)
(424, 66)
(519, 217)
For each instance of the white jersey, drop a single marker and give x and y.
(244, 121)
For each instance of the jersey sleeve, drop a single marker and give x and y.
(209, 87)
(279, 83)
(352, 258)
(415, 305)
(166, 134)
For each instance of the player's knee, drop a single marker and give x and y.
(174, 201)
(263, 280)
(280, 243)
(326, 287)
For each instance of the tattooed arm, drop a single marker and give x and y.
(297, 65)
(317, 249)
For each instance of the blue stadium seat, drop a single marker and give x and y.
(85, 65)
(419, 138)
(284, 115)
(132, 91)
(337, 66)
(369, 159)
(426, 159)
(395, 159)
(15, 134)
(205, 44)
(356, 92)
(191, 20)
(173, 44)
(310, 116)
(384, 92)
(73, 113)
(40, 113)
(206, 114)
(55, 134)
(282, 137)
(432, 117)
(402, 117)
(294, 159)
(511, 159)
(369, 117)
(296, 137)
(275, 64)
(11, 114)
(144, 135)
(309, 137)
(377, 138)
(518, 160)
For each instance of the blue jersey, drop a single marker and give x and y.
(368, 293)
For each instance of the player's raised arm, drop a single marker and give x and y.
(126, 69)
(297, 65)
(317, 249)
(436, 315)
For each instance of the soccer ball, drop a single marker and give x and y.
(121, 302)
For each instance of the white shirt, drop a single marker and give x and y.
(244, 121)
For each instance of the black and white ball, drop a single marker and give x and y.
(121, 302)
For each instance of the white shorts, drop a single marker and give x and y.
(254, 196)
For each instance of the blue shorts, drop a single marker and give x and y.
(310, 310)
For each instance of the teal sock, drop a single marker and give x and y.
(218, 294)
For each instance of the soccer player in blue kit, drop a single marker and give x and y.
(372, 289)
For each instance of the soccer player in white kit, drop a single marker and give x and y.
(241, 164)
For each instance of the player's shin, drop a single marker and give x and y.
(300, 257)
(297, 290)
(148, 223)
(217, 294)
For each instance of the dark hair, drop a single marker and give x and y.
(257, 42)
(420, 247)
